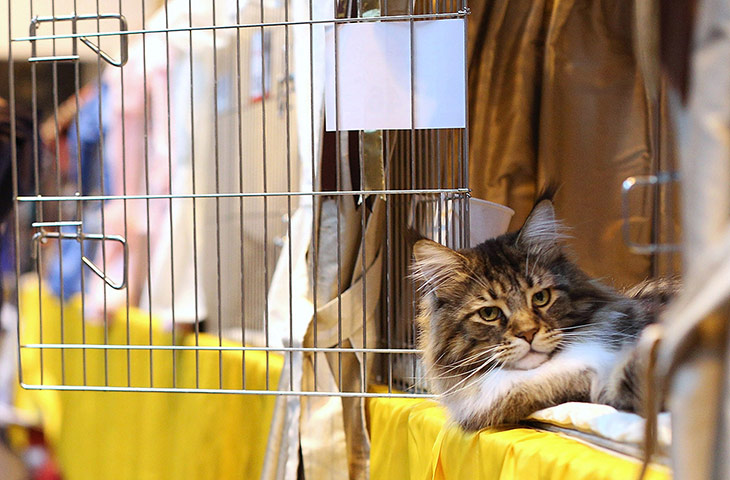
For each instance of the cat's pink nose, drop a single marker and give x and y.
(528, 334)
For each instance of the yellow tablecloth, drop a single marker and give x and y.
(216, 436)
(412, 440)
(122, 435)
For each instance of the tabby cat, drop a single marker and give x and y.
(513, 326)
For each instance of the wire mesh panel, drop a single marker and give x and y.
(201, 219)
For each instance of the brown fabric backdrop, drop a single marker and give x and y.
(555, 95)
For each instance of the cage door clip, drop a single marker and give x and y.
(41, 237)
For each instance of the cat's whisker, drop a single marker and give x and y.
(435, 362)
(572, 327)
(474, 358)
(458, 384)
(480, 352)
(461, 382)
(441, 374)
(598, 335)
(453, 390)
(587, 330)
(455, 375)
(579, 334)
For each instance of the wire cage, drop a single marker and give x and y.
(188, 214)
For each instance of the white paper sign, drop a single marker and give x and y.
(373, 72)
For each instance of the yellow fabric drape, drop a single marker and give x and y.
(413, 440)
(122, 435)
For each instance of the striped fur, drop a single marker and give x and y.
(578, 345)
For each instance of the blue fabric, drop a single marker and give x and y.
(90, 138)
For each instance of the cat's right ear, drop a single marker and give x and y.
(436, 267)
(542, 233)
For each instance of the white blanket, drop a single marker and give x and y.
(605, 422)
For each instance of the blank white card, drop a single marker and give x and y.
(373, 71)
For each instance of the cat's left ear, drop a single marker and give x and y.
(438, 267)
(542, 232)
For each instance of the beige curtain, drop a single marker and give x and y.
(555, 94)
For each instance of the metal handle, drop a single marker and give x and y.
(40, 237)
(629, 184)
(123, 41)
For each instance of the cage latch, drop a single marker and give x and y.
(123, 42)
(42, 236)
(642, 181)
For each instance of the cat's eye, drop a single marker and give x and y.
(490, 313)
(541, 298)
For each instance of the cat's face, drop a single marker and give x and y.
(513, 317)
(510, 302)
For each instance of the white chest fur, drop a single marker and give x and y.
(480, 393)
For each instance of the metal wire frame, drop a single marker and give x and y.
(419, 164)
(338, 193)
(390, 18)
